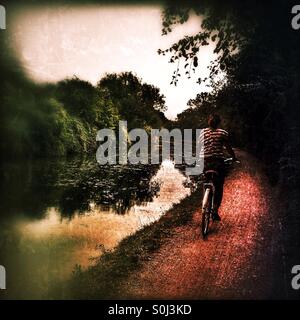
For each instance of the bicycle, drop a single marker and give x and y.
(209, 177)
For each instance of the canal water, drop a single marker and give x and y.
(57, 216)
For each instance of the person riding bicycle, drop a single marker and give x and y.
(215, 140)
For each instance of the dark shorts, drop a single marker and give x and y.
(218, 165)
(215, 164)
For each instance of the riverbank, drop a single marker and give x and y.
(103, 280)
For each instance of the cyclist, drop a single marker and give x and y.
(215, 140)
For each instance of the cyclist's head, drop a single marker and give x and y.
(214, 120)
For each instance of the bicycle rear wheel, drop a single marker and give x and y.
(206, 209)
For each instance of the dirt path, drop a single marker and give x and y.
(236, 261)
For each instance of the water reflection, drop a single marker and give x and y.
(97, 227)
(81, 217)
(30, 188)
(118, 188)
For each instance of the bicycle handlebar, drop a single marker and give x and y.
(231, 160)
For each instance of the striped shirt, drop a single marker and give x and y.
(213, 142)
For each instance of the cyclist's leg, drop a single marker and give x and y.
(219, 183)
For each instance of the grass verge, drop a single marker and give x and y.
(102, 281)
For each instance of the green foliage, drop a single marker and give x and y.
(63, 118)
(140, 104)
(78, 97)
(106, 113)
(37, 125)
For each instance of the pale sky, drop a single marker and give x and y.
(54, 43)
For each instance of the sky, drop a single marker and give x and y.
(57, 42)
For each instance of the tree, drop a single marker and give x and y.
(78, 97)
(139, 103)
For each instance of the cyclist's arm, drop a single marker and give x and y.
(229, 149)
